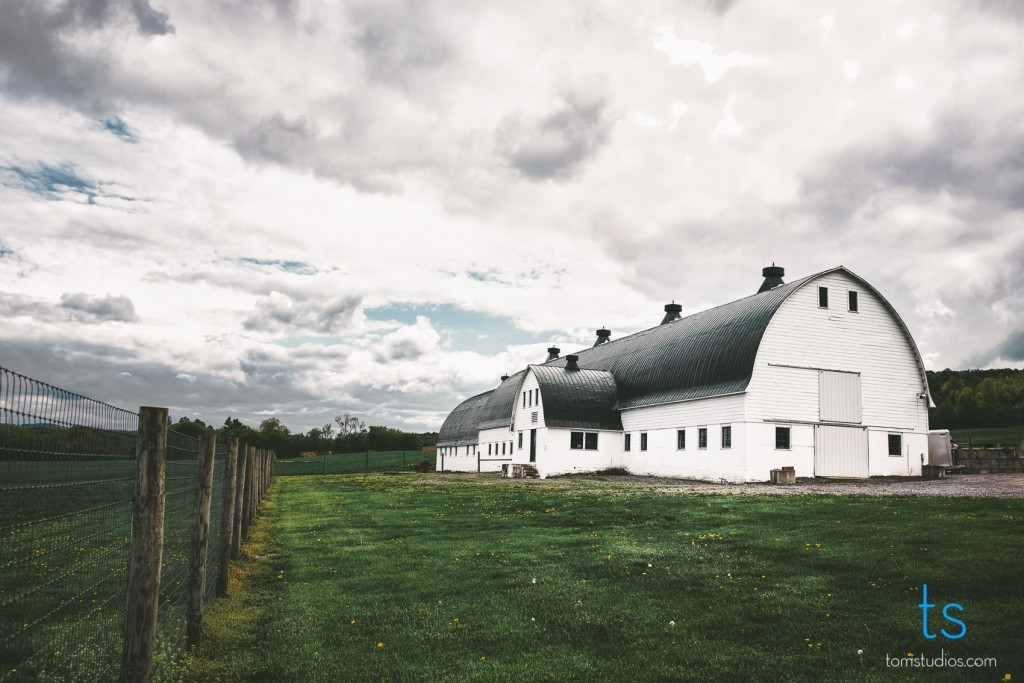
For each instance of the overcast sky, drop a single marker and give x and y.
(301, 208)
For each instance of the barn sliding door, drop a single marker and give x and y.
(840, 452)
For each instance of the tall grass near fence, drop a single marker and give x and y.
(353, 463)
(68, 467)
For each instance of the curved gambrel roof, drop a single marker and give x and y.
(462, 427)
(706, 354)
(498, 410)
(578, 399)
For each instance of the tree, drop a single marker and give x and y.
(349, 424)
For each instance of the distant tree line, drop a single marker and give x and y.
(346, 434)
(976, 398)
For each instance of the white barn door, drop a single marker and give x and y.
(839, 397)
(840, 452)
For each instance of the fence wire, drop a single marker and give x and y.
(67, 473)
(67, 465)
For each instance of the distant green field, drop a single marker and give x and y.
(351, 463)
(419, 577)
(989, 436)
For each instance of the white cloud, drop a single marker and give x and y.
(689, 52)
(851, 67)
(727, 125)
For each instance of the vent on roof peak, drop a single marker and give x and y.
(603, 336)
(672, 312)
(553, 353)
(772, 277)
(570, 362)
(504, 377)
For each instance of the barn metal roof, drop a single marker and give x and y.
(578, 399)
(705, 354)
(710, 353)
(462, 428)
(498, 410)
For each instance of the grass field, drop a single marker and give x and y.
(989, 436)
(411, 577)
(351, 463)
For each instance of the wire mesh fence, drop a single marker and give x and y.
(67, 476)
(67, 465)
(354, 463)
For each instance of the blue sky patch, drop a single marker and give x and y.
(466, 330)
(49, 181)
(118, 127)
(297, 267)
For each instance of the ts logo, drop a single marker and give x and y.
(925, 606)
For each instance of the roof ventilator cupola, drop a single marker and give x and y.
(772, 277)
(553, 353)
(570, 362)
(504, 377)
(672, 312)
(603, 336)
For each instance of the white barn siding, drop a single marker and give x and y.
(493, 439)
(456, 458)
(802, 337)
(661, 423)
(555, 456)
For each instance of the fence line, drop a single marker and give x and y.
(73, 563)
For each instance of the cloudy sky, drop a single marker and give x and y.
(301, 208)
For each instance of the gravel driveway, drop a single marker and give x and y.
(954, 486)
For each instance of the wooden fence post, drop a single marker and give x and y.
(227, 519)
(236, 536)
(200, 541)
(146, 549)
(247, 498)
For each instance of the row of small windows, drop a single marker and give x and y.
(588, 441)
(531, 398)
(504, 444)
(823, 299)
(702, 439)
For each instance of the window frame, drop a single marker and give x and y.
(822, 296)
(681, 439)
(643, 441)
(788, 431)
(573, 436)
(899, 445)
(520, 440)
(726, 436)
(853, 301)
(702, 438)
(586, 441)
(627, 442)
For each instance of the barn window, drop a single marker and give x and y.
(681, 439)
(853, 301)
(626, 442)
(581, 440)
(895, 444)
(822, 297)
(643, 441)
(536, 397)
(524, 399)
(488, 449)
(576, 440)
(702, 437)
(520, 441)
(727, 437)
(590, 441)
(782, 438)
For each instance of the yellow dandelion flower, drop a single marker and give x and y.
(380, 644)
(353, 621)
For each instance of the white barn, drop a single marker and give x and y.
(820, 374)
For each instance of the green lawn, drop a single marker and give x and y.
(419, 578)
(989, 436)
(351, 463)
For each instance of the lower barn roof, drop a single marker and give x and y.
(578, 399)
(462, 427)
